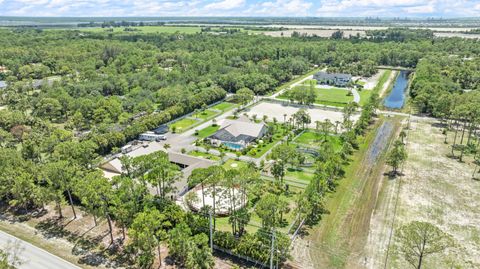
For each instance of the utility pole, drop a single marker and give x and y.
(272, 249)
(211, 230)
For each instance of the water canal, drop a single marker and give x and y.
(396, 98)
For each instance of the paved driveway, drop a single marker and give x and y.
(34, 257)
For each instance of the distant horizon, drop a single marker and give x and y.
(253, 17)
(241, 8)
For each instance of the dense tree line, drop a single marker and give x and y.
(449, 88)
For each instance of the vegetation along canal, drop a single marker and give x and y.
(396, 98)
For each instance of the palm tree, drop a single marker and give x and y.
(337, 123)
(166, 146)
(403, 135)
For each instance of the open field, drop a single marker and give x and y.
(302, 174)
(314, 139)
(224, 106)
(183, 124)
(333, 96)
(234, 164)
(147, 29)
(328, 96)
(206, 132)
(435, 188)
(204, 115)
(311, 32)
(337, 239)
(276, 110)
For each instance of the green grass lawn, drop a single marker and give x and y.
(147, 29)
(312, 139)
(333, 97)
(364, 96)
(204, 155)
(329, 97)
(303, 175)
(234, 164)
(183, 124)
(262, 148)
(361, 83)
(224, 106)
(204, 115)
(210, 130)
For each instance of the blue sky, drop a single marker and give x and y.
(318, 8)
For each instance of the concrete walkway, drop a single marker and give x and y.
(34, 257)
(356, 96)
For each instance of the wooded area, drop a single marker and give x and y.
(74, 97)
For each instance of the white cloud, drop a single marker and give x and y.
(290, 8)
(430, 8)
(226, 4)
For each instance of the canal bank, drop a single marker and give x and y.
(397, 96)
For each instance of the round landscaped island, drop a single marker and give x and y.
(226, 199)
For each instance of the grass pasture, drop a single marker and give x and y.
(205, 115)
(313, 139)
(206, 132)
(331, 97)
(183, 125)
(224, 106)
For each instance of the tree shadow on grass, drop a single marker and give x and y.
(393, 175)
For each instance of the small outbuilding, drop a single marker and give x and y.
(162, 129)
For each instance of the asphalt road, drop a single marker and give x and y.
(33, 257)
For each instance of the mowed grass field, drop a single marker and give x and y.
(183, 124)
(204, 115)
(224, 106)
(333, 97)
(206, 132)
(314, 139)
(330, 97)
